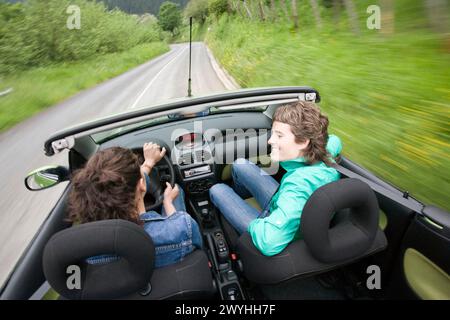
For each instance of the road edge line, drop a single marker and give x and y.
(226, 79)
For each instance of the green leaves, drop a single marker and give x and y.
(386, 97)
(169, 16)
(198, 10)
(36, 33)
(217, 7)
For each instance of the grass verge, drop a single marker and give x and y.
(387, 97)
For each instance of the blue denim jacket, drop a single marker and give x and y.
(174, 236)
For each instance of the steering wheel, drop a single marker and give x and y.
(161, 173)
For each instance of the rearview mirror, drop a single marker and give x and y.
(46, 177)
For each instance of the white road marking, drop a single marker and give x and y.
(153, 80)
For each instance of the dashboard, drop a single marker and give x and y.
(193, 154)
(196, 152)
(189, 141)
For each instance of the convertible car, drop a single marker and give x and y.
(363, 237)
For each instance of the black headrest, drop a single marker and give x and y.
(129, 274)
(348, 238)
(322, 248)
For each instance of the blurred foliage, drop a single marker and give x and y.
(169, 16)
(35, 33)
(197, 9)
(140, 6)
(387, 95)
(217, 7)
(198, 32)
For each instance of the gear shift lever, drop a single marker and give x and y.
(206, 217)
(205, 214)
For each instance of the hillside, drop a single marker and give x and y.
(131, 6)
(386, 91)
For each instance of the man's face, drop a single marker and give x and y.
(284, 146)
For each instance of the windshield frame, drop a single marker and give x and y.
(66, 139)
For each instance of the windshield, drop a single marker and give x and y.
(110, 134)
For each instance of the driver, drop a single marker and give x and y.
(112, 185)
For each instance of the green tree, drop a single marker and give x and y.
(169, 16)
(139, 6)
(36, 33)
(197, 9)
(217, 7)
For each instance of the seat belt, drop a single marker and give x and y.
(417, 207)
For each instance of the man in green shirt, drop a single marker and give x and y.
(300, 143)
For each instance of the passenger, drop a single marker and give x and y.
(112, 185)
(300, 143)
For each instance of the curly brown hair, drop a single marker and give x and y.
(106, 187)
(307, 122)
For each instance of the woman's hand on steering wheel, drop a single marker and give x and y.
(169, 196)
(170, 193)
(152, 154)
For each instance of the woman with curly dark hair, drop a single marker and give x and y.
(300, 143)
(112, 185)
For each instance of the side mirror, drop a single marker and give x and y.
(46, 177)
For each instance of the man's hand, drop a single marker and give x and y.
(152, 154)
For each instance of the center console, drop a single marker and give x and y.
(193, 159)
(195, 168)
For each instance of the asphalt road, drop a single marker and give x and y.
(23, 211)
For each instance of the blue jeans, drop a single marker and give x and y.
(248, 181)
(178, 203)
(180, 206)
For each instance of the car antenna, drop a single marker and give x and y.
(190, 50)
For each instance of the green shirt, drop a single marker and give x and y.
(273, 233)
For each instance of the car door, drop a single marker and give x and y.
(422, 266)
(416, 263)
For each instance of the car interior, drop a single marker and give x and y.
(348, 225)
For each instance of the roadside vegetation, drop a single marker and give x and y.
(385, 91)
(42, 87)
(50, 50)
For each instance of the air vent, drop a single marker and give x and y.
(202, 155)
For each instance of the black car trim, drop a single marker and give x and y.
(245, 93)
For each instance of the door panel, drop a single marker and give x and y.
(423, 266)
(424, 277)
